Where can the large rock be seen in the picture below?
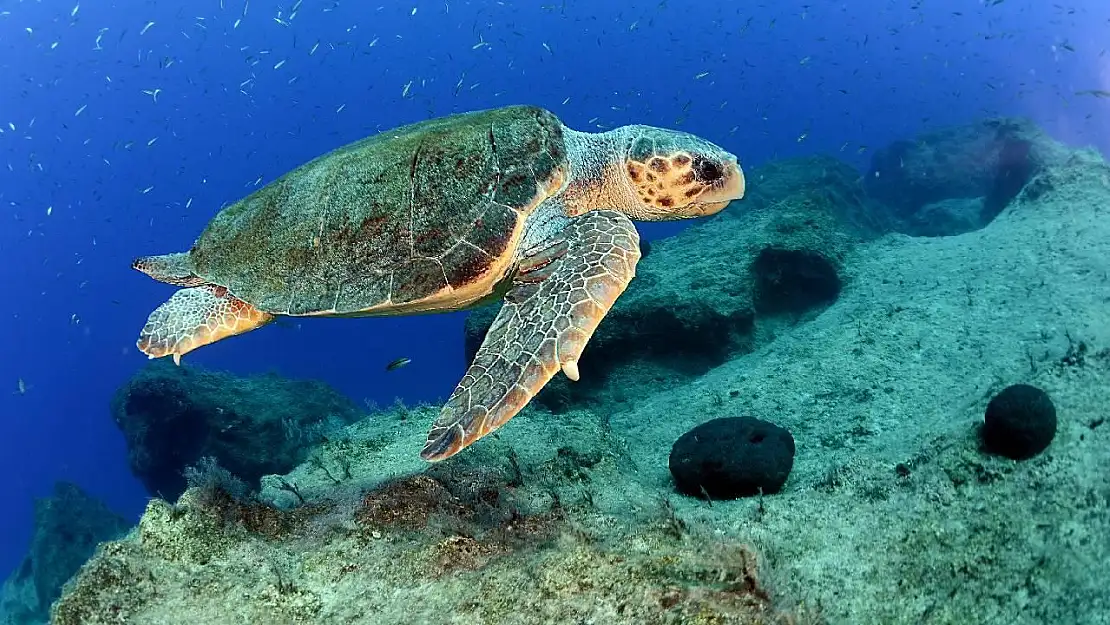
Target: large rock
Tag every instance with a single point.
(487, 537)
(68, 526)
(987, 162)
(173, 416)
(721, 287)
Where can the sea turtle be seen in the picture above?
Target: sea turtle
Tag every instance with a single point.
(443, 215)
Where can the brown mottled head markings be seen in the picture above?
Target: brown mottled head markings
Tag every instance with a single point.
(667, 182)
(650, 174)
(675, 175)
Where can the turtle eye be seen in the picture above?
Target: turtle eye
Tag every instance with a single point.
(707, 170)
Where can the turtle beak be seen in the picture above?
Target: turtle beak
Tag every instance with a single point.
(730, 187)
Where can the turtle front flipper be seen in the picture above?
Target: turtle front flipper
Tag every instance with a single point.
(195, 317)
(560, 293)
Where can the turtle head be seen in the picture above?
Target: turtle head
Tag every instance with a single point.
(676, 175)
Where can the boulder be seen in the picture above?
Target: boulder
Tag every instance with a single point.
(989, 161)
(68, 526)
(174, 416)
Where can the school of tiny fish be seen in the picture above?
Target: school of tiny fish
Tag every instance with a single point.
(472, 67)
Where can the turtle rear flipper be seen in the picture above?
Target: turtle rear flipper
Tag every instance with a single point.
(195, 317)
(558, 297)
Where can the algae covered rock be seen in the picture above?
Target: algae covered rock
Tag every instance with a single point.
(948, 217)
(793, 281)
(805, 186)
(454, 544)
(989, 160)
(68, 526)
(174, 416)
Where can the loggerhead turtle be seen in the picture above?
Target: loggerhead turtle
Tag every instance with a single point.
(443, 215)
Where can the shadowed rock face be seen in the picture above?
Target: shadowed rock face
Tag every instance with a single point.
(793, 281)
(989, 162)
(462, 539)
(173, 416)
(668, 339)
(1015, 166)
(68, 526)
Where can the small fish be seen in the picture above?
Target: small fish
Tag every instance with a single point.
(397, 364)
(21, 387)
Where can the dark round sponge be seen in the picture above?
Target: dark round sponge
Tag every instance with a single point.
(732, 457)
(1020, 422)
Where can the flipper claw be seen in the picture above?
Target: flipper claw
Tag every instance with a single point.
(570, 369)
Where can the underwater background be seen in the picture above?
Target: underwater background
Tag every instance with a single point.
(127, 125)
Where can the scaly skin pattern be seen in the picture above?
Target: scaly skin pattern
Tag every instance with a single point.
(195, 317)
(414, 219)
(559, 296)
(649, 174)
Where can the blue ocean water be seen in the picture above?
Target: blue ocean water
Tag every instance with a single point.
(127, 125)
